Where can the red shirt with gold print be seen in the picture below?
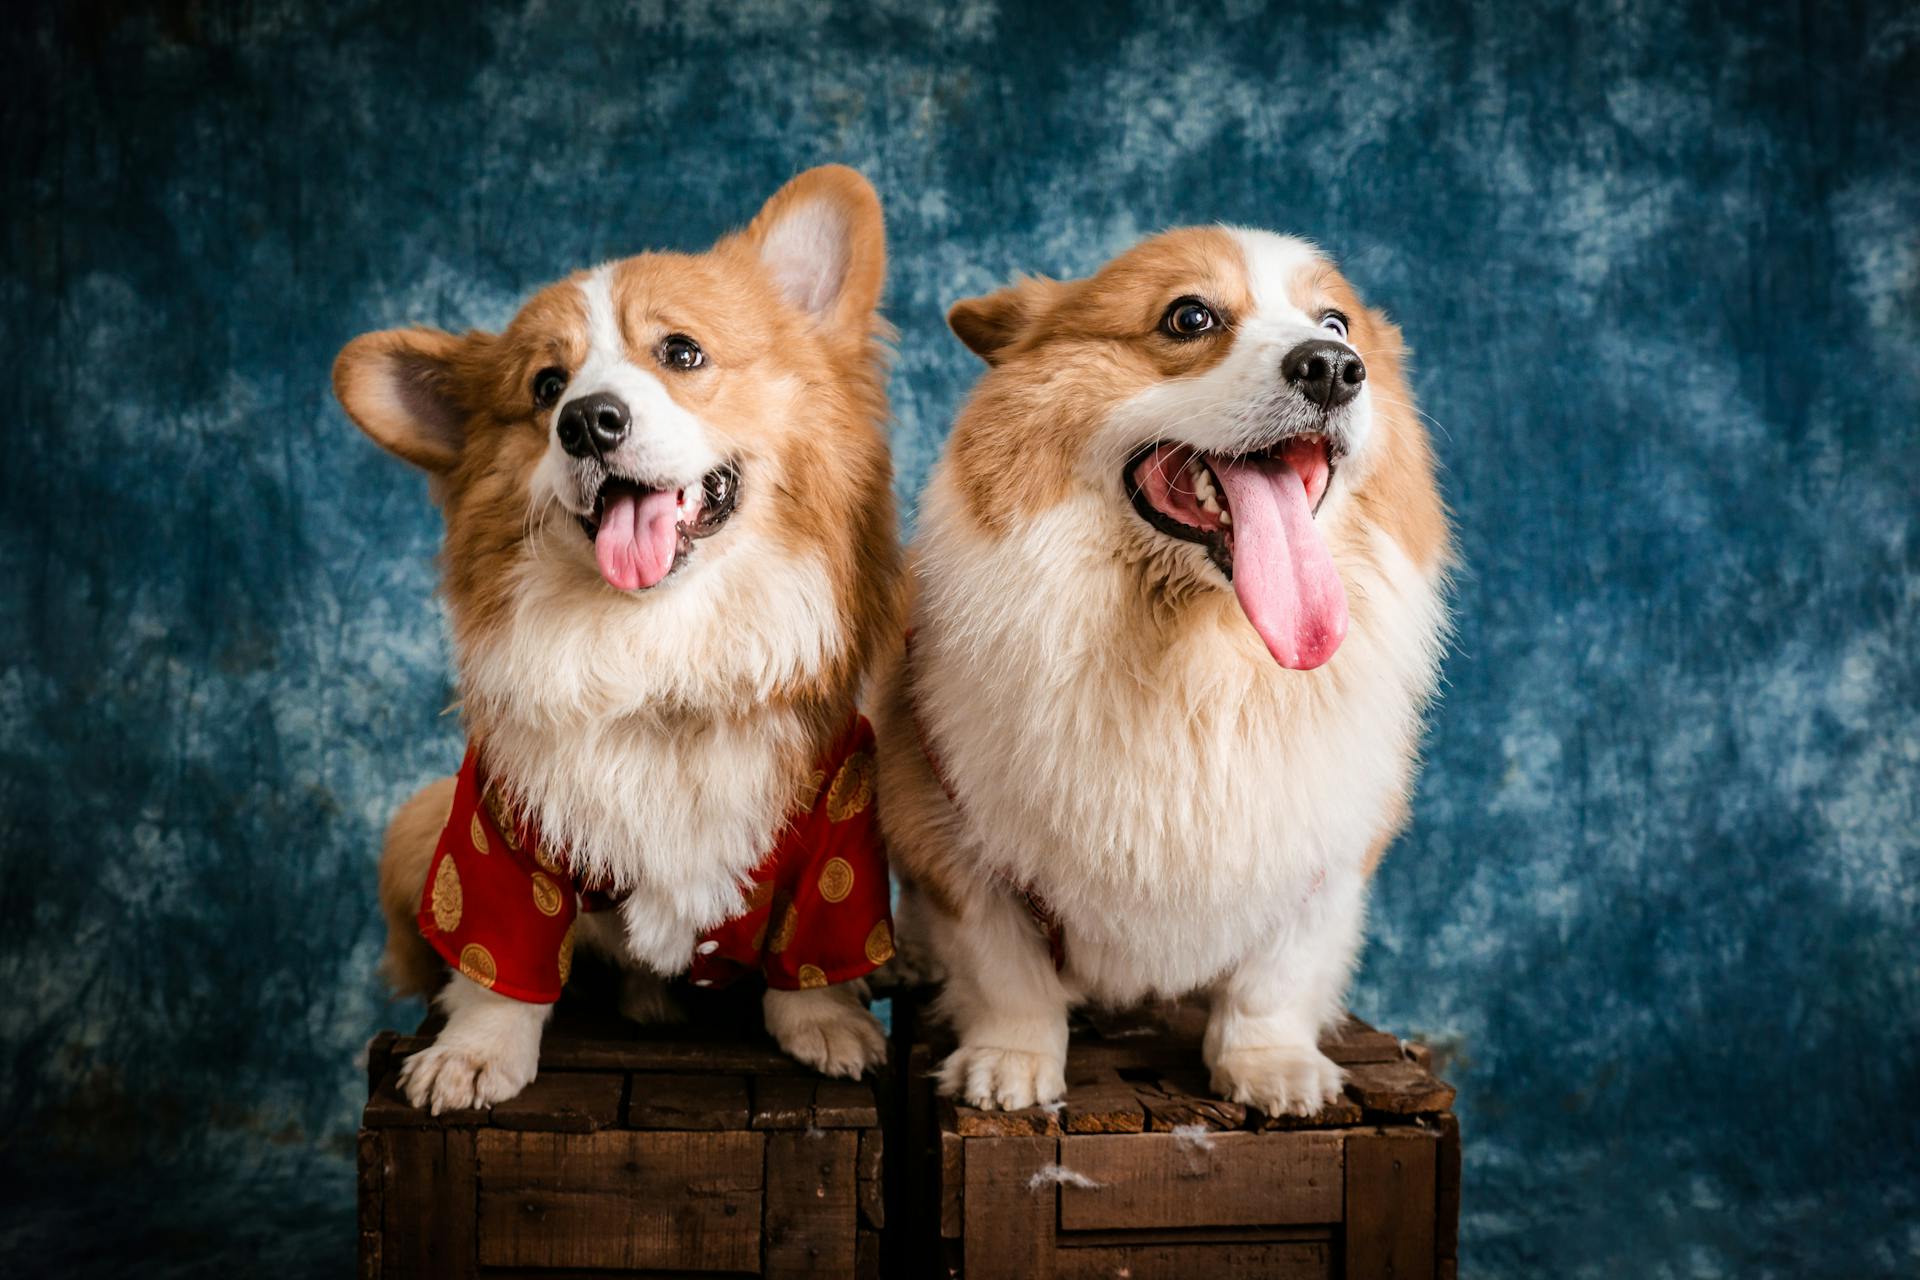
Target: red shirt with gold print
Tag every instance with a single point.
(499, 903)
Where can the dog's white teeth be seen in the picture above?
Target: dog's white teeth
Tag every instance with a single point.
(1226, 518)
(1210, 504)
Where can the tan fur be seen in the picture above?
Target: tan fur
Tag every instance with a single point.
(1062, 353)
(410, 966)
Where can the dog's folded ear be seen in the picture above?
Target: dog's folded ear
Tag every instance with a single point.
(824, 240)
(402, 387)
(991, 324)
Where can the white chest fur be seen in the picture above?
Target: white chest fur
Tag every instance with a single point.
(675, 816)
(646, 739)
(1176, 796)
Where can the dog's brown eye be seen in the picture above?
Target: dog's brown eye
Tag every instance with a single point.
(681, 352)
(1189, 318)
(547, 386)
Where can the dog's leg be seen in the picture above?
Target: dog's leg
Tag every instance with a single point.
(646, 999)
(1007, 1004)
(488, 1051)
(644, 995)
(915, 964)
(1262, 1042)
(827, 1028)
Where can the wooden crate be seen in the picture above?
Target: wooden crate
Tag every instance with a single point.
(632, 1154)
(1143, 1173)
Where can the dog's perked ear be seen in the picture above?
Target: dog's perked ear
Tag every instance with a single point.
(992, 323)
(824, 240)
(402, 387)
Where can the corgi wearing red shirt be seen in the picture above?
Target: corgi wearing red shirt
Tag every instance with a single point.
(670, 559)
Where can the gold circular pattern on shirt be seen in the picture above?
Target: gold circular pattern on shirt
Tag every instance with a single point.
(446, 897)
(811, 976)
(880, 943)
(852, 788)
(478, 831)
(836, 880)
(546, 895)
(783, 935)
(502, 816)
(543, 854)
(476, 962)
(760, 895)
(566, 956)
(810, 790)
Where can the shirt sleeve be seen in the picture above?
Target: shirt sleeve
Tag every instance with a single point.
(837, 922)
(491, 910)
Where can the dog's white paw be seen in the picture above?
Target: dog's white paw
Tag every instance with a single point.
(1285, 1080)
(448, 1077)
(1003, 1079)
(832, 1033)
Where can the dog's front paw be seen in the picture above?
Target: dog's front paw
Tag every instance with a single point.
(447, 1077)
(829, 1031)
(1003, 1079)
(1286, 1080)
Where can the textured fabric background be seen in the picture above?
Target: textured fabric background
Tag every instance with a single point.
(1661, 273)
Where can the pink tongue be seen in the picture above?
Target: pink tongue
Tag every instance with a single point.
(637, 538)
(1282, 570)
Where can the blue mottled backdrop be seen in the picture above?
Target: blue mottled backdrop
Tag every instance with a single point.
(1661, 270)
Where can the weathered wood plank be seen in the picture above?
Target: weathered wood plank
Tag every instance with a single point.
(565, 1102)
(810, 1224)
(783, 1102)
(1398, 1088)
(661, 1100)
(1446, 1176)
(1338, 1114)
(1325, 1233)
(1353, 1041)
(1009, 1221)
(1179, 1100)
(1171, 1039)
(625, 1053)
(620, 1199)
(387, 1108)
(866, 1250)
(372, 1152)
(1206, 1179)
(427, 1218)
(870, 1172)
(1390, 1196)
(844, 1104)
(952, 1181)
(379, 1058)
(1099, 1101)
(1281, 1261)
(873, 1148)
(972, 1122)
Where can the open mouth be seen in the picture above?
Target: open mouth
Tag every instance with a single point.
(642, 534)
(1254, 514)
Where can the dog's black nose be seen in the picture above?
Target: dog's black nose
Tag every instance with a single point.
(1327, 373)
(593, 425)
